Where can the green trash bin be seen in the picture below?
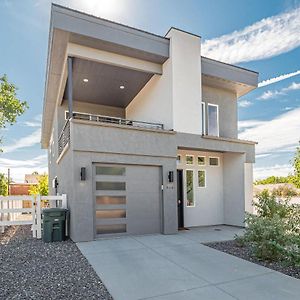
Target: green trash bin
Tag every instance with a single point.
(54, 224)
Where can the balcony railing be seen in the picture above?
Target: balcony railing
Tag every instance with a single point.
(64, 137)
(119, 121)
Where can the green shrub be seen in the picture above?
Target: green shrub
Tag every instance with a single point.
(274, 232)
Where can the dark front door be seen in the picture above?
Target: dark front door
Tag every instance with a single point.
(180, 198)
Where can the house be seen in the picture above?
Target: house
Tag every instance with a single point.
(141, 130)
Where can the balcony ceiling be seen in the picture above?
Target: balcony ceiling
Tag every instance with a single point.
(104, 81)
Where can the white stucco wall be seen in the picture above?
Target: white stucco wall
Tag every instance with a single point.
(208, 209)
(185, 56)
(154, 102)
(174, 98)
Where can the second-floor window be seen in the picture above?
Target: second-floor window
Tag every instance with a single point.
(212, 119)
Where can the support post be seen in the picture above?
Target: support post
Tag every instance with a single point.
(38, 217)
(70, 86)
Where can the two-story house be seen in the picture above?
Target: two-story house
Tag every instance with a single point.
(141, 130)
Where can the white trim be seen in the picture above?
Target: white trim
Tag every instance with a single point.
(218, 127)
(204, 160)
(203, 117)
(185, 189)
(218, 158)
(201, 170)
(191, 155)
(114, 59)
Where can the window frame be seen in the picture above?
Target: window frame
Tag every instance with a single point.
(201, 170)
(218, 122)
(218, 158)
(185, 189)
(203, 108)
(204, 160)
(190, 155)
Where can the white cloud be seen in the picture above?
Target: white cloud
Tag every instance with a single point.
(270, 94)
(32, 124)
(277, 170)
(280, 133)
(273, 94)
(264, 39)
(277, 79)
(242, 125)
(293, 87)
(18, 168)
(24, 142)
(244, 103)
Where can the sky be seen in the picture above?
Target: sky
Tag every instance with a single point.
(260, 35)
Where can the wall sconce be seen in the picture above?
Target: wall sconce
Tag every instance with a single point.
(83, 174)
(171, 176)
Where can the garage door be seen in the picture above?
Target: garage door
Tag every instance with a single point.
(127, 199)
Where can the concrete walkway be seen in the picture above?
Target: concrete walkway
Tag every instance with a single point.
(171, 267)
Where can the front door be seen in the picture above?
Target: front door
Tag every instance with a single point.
(180, 198)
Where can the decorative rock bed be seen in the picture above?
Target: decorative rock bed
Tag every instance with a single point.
(232, 247)
(32, 269)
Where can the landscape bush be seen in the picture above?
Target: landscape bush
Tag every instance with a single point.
(273, 233)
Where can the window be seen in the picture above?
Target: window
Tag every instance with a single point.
(201, 160)
(213, 119)
(201, 178)
(214, 161)
(178, 159)
(203, 118)
(190, 188)
(189, 159)
(116, 171)
(110, 186)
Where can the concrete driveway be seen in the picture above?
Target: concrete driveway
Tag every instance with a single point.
(178, 266)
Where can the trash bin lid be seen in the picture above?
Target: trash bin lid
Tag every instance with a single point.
(54, 210)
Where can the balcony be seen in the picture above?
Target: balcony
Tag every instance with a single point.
(64, 137)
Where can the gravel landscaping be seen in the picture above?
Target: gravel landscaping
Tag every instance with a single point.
(232, 247)
(32, 269)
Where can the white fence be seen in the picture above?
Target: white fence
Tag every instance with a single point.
(13, 212)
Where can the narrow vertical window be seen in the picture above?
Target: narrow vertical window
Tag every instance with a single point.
(190, 188)
(213, 119)
(201, 178)
(203, 118)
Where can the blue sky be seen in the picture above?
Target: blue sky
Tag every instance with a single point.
(260, 35)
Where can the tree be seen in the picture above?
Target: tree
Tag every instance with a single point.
(3, 185)
(296, 165)
(10, 106)
(41, 188)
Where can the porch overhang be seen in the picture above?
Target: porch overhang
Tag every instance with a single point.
(229, 77)
(74, 33)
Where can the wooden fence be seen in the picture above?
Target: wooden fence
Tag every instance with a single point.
(27, 210)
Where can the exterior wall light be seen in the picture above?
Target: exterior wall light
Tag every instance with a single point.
(85, 80)
(171, 176)
(122, 87)
(83, 174)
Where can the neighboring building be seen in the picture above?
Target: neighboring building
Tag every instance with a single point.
(32, 178)
(19, 188)
(151, 143)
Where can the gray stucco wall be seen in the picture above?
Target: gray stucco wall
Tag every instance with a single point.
(194, 141)
(227, 102)
(234, 189)
(99, 143)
